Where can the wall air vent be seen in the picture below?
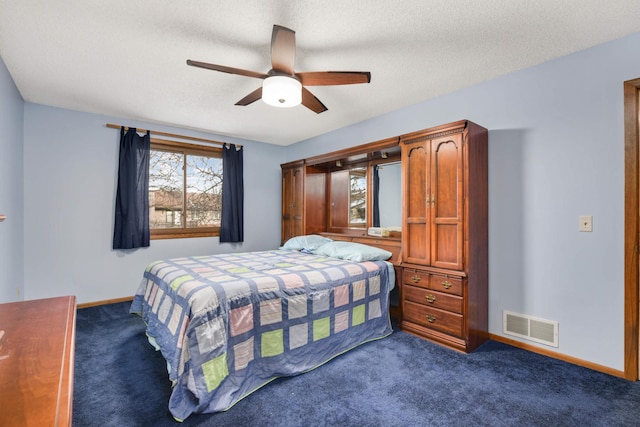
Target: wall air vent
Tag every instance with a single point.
(531, 328)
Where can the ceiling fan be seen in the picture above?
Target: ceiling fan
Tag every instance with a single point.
(282, 86)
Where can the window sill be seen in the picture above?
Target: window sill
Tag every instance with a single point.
(182, 234)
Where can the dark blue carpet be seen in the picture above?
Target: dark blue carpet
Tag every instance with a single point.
(400, 380)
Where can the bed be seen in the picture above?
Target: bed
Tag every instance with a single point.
(228, 324)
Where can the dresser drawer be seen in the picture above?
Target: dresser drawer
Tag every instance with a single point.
(436, 282)
(432, 298)
(415, 278)
(450, 285)
(443, 321)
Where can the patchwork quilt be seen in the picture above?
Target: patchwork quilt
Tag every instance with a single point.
(228, 324)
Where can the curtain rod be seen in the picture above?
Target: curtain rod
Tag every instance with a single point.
(172, 135)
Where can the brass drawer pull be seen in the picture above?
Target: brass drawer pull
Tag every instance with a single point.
(446, 284)
(415, 279)
(430, 318)
(430, 298)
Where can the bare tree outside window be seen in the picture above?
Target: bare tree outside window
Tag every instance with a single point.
(204, 191)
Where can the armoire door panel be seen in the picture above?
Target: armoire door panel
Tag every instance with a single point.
(292, 202)
(298, 201)
(339, 209)
(448, 249)
(415, 240)
(315, 203)
(417, 186)
(447, 209)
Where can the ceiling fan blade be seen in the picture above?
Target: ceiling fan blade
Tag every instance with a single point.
(229, 70)
(310, 101)
(252, 97)
(283, 49)
(330, 78)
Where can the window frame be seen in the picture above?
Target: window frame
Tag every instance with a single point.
(185, 149)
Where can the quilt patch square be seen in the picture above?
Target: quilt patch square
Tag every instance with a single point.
(321, 328)
(341, 322)
(243, 354)
(215, 370)
(314, 277)
(374, 285)
(359, 290)
(292, 281)
(221, 278)
(151, 293)
(283, 264)
(266, 284)
(241, 320)
(375, 310)
(156, 303)
(200, 270)
(370, 266)
(173, 323)
(165, 309)
(270, 311)
(236, 288)
(298, 335)
(335, 273)
(297, 306)
(298, 268)
(341, 295)
(210, 335)
(203, 298)
(321, 301)
(272, 343)
(353, 269)
(358, 315)
(238, 270)
(177, 282)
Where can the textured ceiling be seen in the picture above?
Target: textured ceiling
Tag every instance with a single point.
(127, 58)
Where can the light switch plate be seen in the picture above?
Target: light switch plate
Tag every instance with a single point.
(586, 222)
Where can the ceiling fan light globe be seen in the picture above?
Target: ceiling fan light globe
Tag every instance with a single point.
(282, 91)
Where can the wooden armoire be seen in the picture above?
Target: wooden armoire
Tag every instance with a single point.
(445, 234)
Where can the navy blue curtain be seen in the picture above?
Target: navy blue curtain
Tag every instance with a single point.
(132, 197)
(376, 197)
(232, 221)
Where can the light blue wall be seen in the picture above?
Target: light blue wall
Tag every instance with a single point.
(70, 169)
(556, 151)
(11, 230)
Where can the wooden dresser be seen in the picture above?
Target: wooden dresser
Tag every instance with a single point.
(37, 361)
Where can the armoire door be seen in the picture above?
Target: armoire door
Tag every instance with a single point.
(447, 202)
(416, 201)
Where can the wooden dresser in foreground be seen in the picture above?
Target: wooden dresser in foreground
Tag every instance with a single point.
(36, 362)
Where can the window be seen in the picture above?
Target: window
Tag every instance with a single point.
(185, 190)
